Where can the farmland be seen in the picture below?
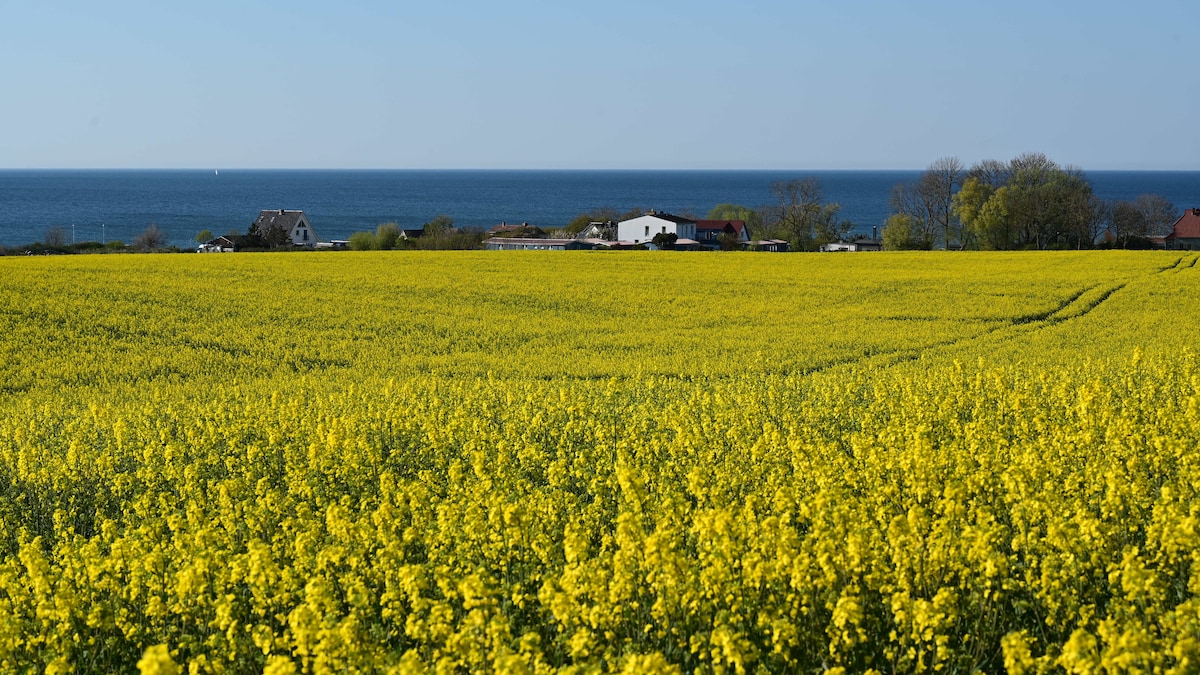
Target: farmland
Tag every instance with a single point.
(597, 462)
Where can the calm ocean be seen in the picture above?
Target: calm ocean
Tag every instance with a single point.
(120, 204)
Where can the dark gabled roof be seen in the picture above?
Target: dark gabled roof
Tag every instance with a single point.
(222, 241)
(668, 216)
(513, 227)
(736, 225)
(281, 218)
(1188, 225)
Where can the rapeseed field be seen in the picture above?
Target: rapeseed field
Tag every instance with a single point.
(600, 462)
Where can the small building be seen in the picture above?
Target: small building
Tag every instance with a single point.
(599, 230)
(868, 244)
(837, 247)
(860, 244)
(767, 245)
(294, 225)
(709, 232)
(220, 244)
(1185, 233)
(535, 244)
(641, 230)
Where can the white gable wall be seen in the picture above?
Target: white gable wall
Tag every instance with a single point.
(642, 229)
(303, 234)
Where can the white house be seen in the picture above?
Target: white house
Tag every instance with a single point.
(641, 230)
(294, 223)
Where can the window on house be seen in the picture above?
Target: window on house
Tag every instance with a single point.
(664, 229)
(305, 233)
(647, 230)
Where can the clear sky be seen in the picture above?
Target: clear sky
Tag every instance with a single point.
(652, 84)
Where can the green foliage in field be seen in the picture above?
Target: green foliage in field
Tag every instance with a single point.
(410, 461)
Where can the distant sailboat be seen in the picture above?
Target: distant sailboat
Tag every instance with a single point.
(216, 172)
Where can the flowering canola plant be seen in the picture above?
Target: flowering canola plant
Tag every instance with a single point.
(593, 462)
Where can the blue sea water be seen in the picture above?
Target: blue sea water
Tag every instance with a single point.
(119, 204)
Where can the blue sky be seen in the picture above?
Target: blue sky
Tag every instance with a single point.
(755, 84)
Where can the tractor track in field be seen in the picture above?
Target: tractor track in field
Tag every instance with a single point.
(1075, 306)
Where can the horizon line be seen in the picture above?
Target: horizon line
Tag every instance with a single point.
(527, 169)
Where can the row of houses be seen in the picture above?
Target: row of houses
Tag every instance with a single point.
(687, 234)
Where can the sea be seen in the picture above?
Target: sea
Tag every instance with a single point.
(108, 205)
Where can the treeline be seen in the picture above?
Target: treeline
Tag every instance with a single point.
(1029, 202)
(150, 240)
(438, 234)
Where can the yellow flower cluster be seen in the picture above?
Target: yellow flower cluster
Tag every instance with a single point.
(597, 463)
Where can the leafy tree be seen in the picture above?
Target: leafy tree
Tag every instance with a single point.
(440, 225)
(203, 236)
(1039, 205)
(968, 204)
(267, 236)
(751, 217)
(665, 240)
(903, 232)
(729, 241)
(386, 236)
(363, 241)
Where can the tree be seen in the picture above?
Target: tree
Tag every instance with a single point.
(978, 213)
(56, 237)
(1039, 205)
(363, 241)
(800, 216)
(729, 241)
(751, 217)
(151, 239)
(902, 232)
(665, 240)
(930, 200)
(386, 236)
(203, 236)
(1158, 213)
(440, 225)
(267, 236)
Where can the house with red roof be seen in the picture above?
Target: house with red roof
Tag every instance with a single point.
(1185, 233)
(709, 232)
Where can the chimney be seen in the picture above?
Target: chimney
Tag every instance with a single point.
(1196, 212)
(281, 212)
